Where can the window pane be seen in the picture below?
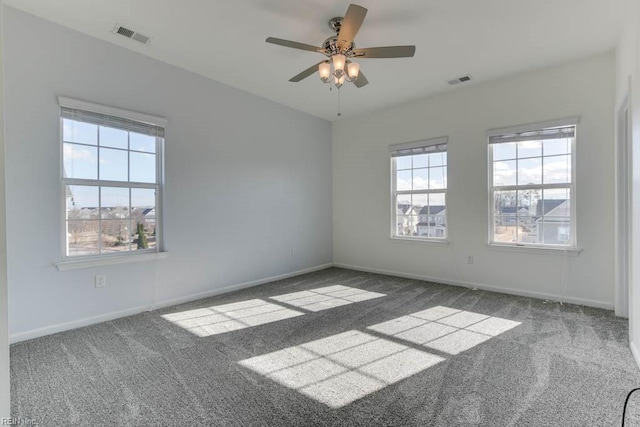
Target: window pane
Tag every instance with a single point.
(141, 142)
(403, 180)
(421, 179)
(113, 164)
(406, 225)
(403, 227)
(438, 159)
(437, 200)
(421, 161)
(404, 200)
(82, 202)
(82, 238)
(526, 200)
(403, 162)
(437, 178)
(418, 201)
(114, 202)
(143, 214)
(557, 146)
(554, 223)
(530, 171)
(116, 138)
(82, 220)
(505, 216)
(557, 169)
(505, 151)
(504, 173)
(529, 149)
(525, 231)
(143, 198)
(80, 161)
(82, 133)
(115, 235)
(142, 168)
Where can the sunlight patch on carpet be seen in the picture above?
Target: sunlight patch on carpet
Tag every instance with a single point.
(342, 368)
(327, 297)
(220, 319)
(445, 329)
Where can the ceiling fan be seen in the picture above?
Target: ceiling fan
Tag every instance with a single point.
(341, 50)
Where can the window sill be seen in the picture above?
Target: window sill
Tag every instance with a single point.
(535, 249)
(420, 241)
(77, 264)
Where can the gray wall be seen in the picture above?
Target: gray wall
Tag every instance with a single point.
(361, 176)
(4, 327)
(248, 181)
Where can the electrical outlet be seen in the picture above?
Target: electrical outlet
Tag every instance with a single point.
(101, 281)
(470, 259)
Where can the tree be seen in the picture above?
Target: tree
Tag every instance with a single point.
(142, 237)
(516, 199)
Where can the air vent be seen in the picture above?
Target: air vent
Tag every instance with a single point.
(130, 34)
(459, 80)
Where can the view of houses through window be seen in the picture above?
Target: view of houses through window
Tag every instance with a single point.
(419, 191)
(532, 183)
(111, 183)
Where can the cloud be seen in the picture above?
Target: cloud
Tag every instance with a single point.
(77, 153)
(555, 171)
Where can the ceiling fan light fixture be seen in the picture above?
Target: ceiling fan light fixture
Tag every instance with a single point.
(339, 61)
(324, 70)
(353, 69)
(340, 50)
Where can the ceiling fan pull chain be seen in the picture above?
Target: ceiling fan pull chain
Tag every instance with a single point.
(339, 104)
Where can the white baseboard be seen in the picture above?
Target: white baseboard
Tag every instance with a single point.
(219, 291)
(635, 352)
(484, 287)
(61, 327)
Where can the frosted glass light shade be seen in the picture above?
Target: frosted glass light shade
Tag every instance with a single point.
(338, 61)
(354, 70)
(325, 71)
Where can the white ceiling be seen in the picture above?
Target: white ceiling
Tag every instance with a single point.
(224, 40)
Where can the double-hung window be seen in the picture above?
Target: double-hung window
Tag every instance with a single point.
(419, 189)
(532, 185)
(111, 180)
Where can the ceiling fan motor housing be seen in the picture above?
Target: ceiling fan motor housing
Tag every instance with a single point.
(330, 45)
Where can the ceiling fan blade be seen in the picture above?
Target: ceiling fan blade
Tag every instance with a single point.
(306, 73)
(385, 52)
(350, 25)
(361, 80)
(295, 45)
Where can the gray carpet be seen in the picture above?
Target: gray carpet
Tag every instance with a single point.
(424, 354)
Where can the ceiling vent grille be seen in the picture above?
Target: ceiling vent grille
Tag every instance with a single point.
(459, 80)
(130, 34)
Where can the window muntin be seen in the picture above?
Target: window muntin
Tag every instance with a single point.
(419, 176)
(532, 187)
(111, 179)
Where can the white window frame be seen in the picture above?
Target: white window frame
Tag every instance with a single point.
(84, 261)
(572, 247)
(417, 147)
